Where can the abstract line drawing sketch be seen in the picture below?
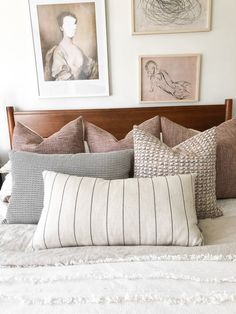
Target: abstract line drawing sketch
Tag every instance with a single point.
(70, 47)
(163, 12)
(171, 16)
(169, 78)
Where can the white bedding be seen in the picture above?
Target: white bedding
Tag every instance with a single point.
(3, 210)
(121, 279)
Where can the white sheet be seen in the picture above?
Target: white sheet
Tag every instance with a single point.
(150, 287)
(3, 210)
(228, 206)
(120, 279)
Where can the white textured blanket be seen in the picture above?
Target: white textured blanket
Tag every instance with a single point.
(137, 287)
(120, 279)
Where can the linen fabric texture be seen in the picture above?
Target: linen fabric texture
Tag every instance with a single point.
(68, 140)
(6, 168)
(26, 201)
(226, 159)
(100, 140)
(81, 211)
(173, 134)
(195, 155)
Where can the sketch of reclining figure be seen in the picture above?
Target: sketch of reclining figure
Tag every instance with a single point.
(161, 79)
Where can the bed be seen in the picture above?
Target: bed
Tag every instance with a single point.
(121, 279)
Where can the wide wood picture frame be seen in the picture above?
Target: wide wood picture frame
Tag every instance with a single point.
(169, 78)
(161, 17)
(70, 47)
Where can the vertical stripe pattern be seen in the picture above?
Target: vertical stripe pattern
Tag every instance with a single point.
(123, 209)
(48, 207)
(171, 213)
(155, 209)
(59, 216)
(90, 211)
(108, 190)
(139, 212)
(184, 205)
(75, 211)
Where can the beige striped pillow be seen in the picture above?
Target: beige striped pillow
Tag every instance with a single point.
(90, 211)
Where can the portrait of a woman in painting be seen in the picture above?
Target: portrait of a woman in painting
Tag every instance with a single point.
(72, 53)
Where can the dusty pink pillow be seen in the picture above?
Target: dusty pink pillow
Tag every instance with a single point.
(100, 140)
(68, 140)
(173, 134)
(226, 159)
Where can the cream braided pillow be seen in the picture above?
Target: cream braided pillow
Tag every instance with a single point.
(195, 155)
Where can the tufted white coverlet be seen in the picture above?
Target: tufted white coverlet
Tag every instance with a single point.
(120, 279)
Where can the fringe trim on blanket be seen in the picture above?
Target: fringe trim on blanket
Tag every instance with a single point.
(143, 258)
(212, 298)
(108, 276)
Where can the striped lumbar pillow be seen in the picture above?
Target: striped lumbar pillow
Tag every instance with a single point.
(91, 211)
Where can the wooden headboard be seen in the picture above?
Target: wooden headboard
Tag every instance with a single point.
(120, 121)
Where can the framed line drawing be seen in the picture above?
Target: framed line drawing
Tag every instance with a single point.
(173, 16)
(169, 78)
(70, 47)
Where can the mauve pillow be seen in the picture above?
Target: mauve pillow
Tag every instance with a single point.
(226, 159)
(100, 141)
(68, 140)
(173, 134)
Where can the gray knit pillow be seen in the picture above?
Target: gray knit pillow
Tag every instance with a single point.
(27, 192)
(195, 155)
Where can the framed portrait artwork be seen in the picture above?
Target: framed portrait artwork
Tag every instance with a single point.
(175, 16)
(70, 47)
(169, 78)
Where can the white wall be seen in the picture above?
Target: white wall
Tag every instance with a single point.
(18, 85)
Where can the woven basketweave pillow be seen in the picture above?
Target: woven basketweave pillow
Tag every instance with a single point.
(195, 155)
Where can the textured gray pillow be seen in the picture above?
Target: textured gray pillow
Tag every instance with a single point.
(27, 193)
(195, 155)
